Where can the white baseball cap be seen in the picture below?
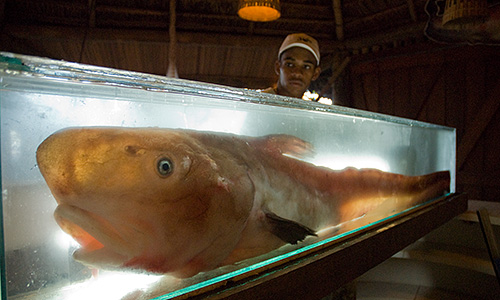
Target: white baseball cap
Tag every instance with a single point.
(301, 40)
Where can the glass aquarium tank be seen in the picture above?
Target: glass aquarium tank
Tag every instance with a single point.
(256, 148)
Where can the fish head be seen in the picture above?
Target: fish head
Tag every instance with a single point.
(149, 199)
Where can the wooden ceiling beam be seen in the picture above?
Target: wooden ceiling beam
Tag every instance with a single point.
(127, 11)
(200, 38)
(134, 13)
(339, 22)
(411, 10)
(311, 10)
(413, 30)
(206, 22)
(304, 12)
(57, 33)
(282, 20)
(382, 15)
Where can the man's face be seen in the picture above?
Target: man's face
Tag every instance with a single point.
(296, 69)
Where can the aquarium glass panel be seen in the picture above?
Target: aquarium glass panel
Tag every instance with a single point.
(40, 96)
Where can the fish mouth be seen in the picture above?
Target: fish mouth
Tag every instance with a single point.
(101, 245)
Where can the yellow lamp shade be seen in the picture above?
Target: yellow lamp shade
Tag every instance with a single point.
(259, 11)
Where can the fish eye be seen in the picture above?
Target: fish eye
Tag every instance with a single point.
(165, 166)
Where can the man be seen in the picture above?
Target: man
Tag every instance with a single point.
(297, 65)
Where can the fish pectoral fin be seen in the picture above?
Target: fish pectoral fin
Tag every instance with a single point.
(287, 230)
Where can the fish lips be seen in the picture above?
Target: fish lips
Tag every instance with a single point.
(101, 245)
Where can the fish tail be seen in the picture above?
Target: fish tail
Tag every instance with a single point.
(438, 181)
(394, 192)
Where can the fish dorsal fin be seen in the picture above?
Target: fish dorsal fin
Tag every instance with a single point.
(283, 144)
(287, 230)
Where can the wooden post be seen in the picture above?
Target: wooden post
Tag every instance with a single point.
(92, 13)
(335, 75)
(172, 43)
(411, 10)
(339, 23)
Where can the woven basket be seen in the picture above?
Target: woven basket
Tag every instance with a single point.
(464, 12)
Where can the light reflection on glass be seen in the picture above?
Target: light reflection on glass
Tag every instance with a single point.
(340, 162)
(65, 241)
(219, 120)
(15, 144)
(109, 285)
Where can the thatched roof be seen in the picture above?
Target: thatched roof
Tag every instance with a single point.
(212, 43)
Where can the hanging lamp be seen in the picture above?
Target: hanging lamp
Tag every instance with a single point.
(460, 13)
(259, 10)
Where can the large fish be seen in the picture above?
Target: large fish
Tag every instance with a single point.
(182, 202)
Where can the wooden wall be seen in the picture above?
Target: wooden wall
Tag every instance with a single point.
(456, 86)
